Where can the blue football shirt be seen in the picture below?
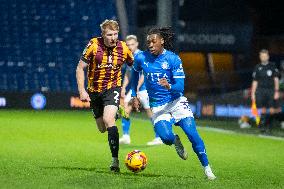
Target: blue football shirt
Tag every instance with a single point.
(166, 65)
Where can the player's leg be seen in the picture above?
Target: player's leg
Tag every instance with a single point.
(163, 126)
(157, 140)
(274, 109)
(189, 127)
(111, 104)
(184, 118)
(97, 108)
(113, 135)
(100, 124)
(144, 99)
(125, 120)
(261, 102)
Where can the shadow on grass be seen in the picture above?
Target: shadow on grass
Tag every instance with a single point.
(137, 147)
(107, 171)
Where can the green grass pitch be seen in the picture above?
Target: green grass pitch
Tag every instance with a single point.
(57, 149)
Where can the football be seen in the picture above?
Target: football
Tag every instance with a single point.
(136, 161)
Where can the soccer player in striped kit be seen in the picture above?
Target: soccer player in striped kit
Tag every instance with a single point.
(104, 57)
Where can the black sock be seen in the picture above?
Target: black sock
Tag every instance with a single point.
(113, 140)
(262, 123)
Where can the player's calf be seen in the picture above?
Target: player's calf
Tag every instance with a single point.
(101, 125)
(182, 153)
(164, 130)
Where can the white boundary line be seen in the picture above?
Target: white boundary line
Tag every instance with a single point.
(218, 130)
(238, 133)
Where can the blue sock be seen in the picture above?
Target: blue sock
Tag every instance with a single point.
(164, 130)
(189, 127)
(125, 126)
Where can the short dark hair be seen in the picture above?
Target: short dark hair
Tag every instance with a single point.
(265, 51)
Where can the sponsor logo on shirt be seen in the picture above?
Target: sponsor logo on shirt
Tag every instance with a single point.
(269, 73)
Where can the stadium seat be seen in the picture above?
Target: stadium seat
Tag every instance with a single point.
(40, 39)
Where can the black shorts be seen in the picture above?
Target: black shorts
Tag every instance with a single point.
(265, 98)
(101, 99)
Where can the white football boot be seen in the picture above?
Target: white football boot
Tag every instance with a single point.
(209, 174)
(156, 141)
(125, 139)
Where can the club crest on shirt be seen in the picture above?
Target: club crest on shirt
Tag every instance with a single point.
(269, 73)
(165, 65)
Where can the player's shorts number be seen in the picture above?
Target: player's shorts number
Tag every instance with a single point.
(116, 97)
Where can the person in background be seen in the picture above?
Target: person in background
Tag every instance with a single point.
(265, 89)
(132, 43)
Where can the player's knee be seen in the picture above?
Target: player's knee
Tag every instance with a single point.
(164, 130)
(168, 139)
(109, 120)
(187, 122)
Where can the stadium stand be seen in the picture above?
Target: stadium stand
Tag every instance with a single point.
(41, 41)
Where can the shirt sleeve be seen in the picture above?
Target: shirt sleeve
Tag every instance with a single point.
(177, 68)
(138, 61)
(276, 72)
(129, 57)
(134, 82)
(255, 75)
(88, 52)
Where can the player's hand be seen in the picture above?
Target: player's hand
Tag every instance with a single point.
(164, 82)
(136, 104)
(276, 95)
(122, 93)
(84, 96)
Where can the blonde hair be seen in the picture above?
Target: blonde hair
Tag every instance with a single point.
(130, 37)
(110, 24)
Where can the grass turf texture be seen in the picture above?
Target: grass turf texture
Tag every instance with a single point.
(56, 149)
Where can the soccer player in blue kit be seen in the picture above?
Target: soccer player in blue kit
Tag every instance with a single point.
(164, 77)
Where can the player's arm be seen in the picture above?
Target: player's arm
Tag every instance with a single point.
(141, 81)
(134, 84)
(126, 79)
(176, 87)
(253, 89)
(80, 75)
(254, 84)
(276, 88)
(276, 83)
(134, 80)
(177, 83)
(129, 56)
